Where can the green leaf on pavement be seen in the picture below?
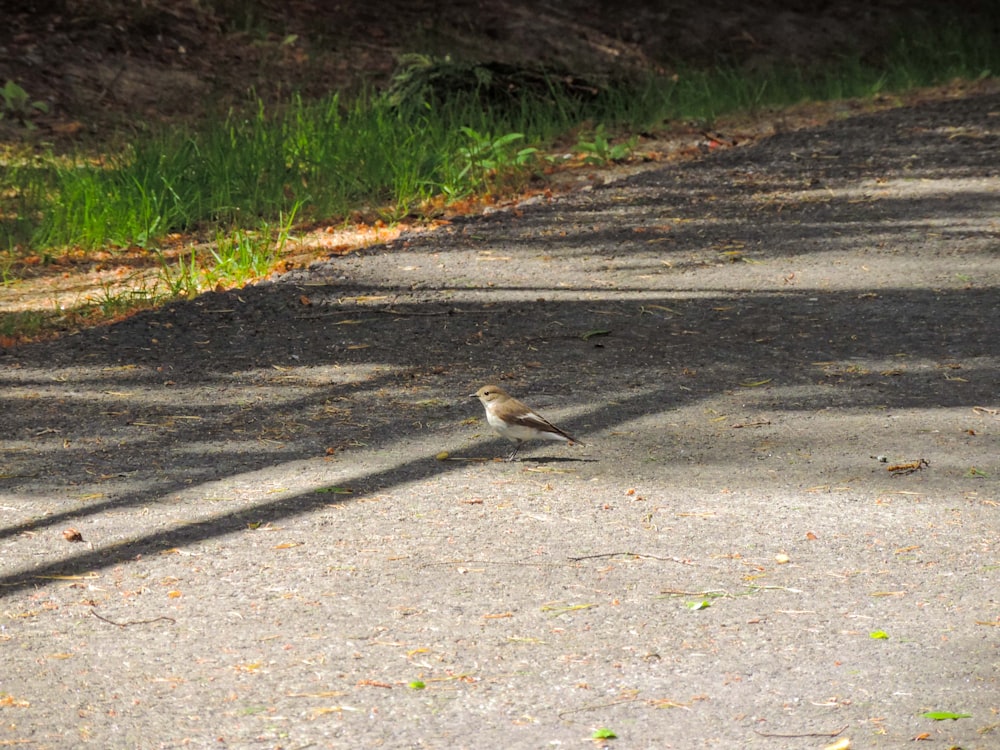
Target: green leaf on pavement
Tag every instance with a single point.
(942, 715)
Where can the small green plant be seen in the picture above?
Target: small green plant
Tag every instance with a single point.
(109, 301)
(115, 300)
(484, 161)
(235, 259)
(181, 279)
(23, 324)
(7, 276)
(601, 151)
(16, 104)
(239, 257)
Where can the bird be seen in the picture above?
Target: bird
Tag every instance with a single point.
(516, 421)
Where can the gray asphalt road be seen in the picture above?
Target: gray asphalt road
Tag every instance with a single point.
(293, 532)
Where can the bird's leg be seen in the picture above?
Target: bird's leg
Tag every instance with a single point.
(513, 453)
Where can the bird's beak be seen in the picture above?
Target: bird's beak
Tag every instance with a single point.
(473, 395)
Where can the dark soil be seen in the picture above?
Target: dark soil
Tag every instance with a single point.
(271, 517)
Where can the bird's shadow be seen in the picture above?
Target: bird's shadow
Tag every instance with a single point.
(553, 460)
(525, 459)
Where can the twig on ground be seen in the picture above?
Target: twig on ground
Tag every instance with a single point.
(678, 560)
(389, 311)
(804, 734)
(491, 562)
(726, 594)
(596, 706)
(711, 592)
(132, 622)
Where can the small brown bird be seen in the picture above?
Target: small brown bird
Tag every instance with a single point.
(515, 421)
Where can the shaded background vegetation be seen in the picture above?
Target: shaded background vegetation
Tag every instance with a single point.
(108, 66)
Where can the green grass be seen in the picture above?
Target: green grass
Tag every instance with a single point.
(14, 325)
(323, 160)
(235, 258)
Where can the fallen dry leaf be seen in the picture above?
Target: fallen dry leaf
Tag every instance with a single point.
(907, 468)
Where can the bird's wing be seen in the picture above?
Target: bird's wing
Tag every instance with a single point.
(538, 422)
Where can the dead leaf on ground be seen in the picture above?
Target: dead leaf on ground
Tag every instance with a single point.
(907, 468)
